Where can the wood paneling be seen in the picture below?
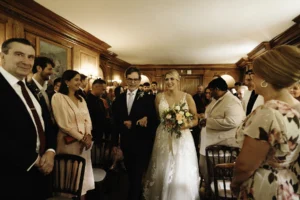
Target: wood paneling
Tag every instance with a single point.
(28, 19)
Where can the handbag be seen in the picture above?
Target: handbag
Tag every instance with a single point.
(69, 139)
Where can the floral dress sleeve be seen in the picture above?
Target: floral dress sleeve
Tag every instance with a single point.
(276, 123)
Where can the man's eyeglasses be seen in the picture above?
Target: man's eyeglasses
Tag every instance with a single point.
(133, 79)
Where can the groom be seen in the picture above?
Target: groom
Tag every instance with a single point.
(135, 121)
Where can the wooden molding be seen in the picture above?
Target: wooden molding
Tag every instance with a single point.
(297, 19)
(291, 36)
(186, 66)
(261, 48)
(243, 62)
(26, 11)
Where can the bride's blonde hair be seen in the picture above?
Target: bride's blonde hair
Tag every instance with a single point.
(173, 72)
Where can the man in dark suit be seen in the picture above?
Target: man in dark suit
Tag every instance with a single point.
(82, 89)
(198, 98)
(42, 70)
(97, 110)
(135, 120)
(154, 88)
(25, 147)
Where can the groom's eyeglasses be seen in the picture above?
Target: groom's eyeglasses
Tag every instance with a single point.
(132, 79)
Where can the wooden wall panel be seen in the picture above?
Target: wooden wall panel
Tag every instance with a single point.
(200, 74)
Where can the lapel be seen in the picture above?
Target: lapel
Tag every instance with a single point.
(38, 95)
(135, 102)
(12, 98)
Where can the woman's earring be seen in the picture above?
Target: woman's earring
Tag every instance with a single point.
(264, 84)
(67, 86)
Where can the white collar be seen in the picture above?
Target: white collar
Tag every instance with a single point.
(133, 92)
(12, 80)
(44, 87)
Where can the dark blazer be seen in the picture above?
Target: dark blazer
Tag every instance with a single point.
(137, 140)
(18, 147)
(82, 93)
(51, 128)
(98, 116)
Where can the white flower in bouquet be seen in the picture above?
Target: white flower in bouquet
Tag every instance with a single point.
(174, 118)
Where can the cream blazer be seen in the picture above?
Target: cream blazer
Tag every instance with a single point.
(223, 116)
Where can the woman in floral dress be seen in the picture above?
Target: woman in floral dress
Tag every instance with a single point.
(268, 164)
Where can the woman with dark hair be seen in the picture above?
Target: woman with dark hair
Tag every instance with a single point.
(72, 116)
(268, 164)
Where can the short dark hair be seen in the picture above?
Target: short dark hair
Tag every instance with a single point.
(99, 81)
(57, 80)
(6, 44)
(42, 61)
(154, 82)
(146, 84)
(82, 77)
(238, 84)
(131, 70)
(218, 83)
(249, 71)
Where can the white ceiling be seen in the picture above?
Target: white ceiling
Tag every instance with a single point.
(177, 31)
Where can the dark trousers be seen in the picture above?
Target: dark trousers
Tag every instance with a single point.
(136, 166)
(25, 185)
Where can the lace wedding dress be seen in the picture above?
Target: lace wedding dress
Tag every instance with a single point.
(173, 170)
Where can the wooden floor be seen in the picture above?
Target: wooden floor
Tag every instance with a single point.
(113, 187)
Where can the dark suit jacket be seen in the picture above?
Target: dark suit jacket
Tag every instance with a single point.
(98, 116)
(200, 104)
(18, 146)
(82, 93)
(51, 128)
(137, 140)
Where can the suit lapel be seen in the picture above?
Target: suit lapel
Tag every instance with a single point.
(13, 98)
(134, 104)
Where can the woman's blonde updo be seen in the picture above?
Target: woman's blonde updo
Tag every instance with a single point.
(279, 66)
(174, 73)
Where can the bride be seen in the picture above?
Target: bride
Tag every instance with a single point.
(173, 170)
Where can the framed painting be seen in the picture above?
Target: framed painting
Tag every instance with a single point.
(57, 52)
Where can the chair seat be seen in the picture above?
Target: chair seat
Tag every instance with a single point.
(221, 188)
(99, 174)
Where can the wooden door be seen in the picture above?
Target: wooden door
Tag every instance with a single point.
(189, 83)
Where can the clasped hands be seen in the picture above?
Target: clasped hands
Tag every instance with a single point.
(86, 142)
(202, 119)
(141, 122)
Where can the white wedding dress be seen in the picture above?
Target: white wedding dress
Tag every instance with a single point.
(173, 170)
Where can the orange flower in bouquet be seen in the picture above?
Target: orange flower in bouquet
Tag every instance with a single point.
(174, 118)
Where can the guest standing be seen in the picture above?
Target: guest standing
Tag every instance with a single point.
(27, 150)
(135, 121)
(268, 164)
(74, 122)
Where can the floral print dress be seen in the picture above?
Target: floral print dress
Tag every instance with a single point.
(278, 176)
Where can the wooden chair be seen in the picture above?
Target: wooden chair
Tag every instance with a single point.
(101, 160)
(223, 174)
(68, 176)
(220, 161)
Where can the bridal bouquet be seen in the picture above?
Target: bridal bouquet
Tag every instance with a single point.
(174, 118)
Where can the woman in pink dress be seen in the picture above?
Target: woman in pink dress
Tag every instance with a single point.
(72, 116)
